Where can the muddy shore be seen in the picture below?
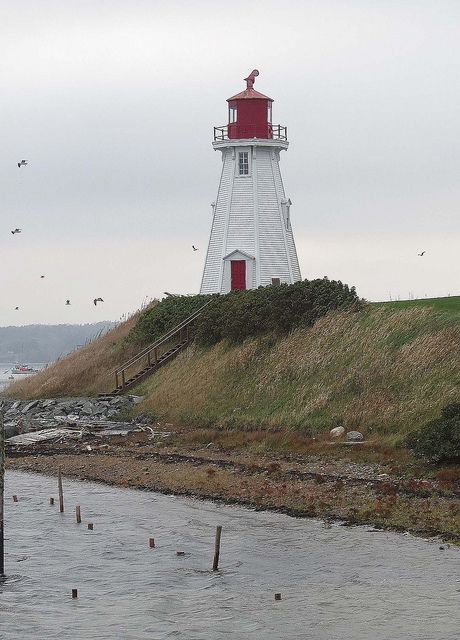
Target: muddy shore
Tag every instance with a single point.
(302, 486)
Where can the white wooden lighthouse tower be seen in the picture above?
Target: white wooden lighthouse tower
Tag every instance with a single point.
(251, 242)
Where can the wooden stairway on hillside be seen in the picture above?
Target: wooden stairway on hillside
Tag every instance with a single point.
(151, 358)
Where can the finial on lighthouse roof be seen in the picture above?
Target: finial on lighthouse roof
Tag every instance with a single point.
(251, 79)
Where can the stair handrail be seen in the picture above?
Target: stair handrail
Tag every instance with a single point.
(161, 340)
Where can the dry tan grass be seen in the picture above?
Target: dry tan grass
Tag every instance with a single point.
(382, 371)
(86, 371)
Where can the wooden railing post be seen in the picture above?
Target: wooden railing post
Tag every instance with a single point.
(116, 378)
(156, 355)
(123, 383)
(148, 359)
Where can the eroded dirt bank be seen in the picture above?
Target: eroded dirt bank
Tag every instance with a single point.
(353, 492)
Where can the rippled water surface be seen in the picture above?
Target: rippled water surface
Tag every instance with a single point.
(339, 583)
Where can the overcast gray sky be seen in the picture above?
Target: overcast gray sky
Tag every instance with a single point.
(113, 104)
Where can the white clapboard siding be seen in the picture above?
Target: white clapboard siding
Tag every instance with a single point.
(249, 218)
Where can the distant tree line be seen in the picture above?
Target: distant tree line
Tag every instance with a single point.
(44, 342)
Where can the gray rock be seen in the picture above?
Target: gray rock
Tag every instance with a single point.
(11, 429)
(48, 403)
(355, 436)
(337, 432)
(87, 409)
(29, 406)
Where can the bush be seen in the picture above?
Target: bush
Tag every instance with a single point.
(439, 440)
(275, 309)
(163, 316)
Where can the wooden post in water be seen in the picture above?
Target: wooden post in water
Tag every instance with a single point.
(90, 526)
(2, 490)
(215, 564)
(74, 593)
(61, 493)
(78, 514)
(51, 501)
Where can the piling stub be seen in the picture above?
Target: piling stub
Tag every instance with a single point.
(15, 498)
(78, 514)
(180, 553)
(152, 543)
(277, 596)
(61, 492)
(90, 526)
(74, 593)
(215, 564)
(51, 501)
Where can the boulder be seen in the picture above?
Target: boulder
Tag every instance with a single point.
(87, 409)
(29, 406)
(355, 436)
(337, 432)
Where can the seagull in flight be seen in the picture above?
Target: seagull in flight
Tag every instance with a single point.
(23, 163)
(194, 248)
(96, 300)
(16, 308)
(13, 231)
(67, 302)
(421, 254)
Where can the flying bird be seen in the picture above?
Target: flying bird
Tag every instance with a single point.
(13, 231)
(421, 254)
(23, 163)
(16, 308)
(96, 300)
(42, 276)
(194, 248)
(67, 302)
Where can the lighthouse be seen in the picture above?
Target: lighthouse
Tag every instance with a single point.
(251, 242)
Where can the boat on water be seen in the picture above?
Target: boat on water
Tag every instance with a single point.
(23, 368)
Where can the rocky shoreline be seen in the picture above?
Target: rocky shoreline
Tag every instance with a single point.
(23, 416)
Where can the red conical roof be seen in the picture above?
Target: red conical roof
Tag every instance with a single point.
(249, 94)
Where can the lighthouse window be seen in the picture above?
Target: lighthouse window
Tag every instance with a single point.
(269, 112)
(243, 163)
(232, 115)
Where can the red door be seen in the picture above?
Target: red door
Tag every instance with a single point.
(238, 275)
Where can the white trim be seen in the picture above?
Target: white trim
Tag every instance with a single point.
(242, 253)
(283, 226)
(227, 222)
(255, 196)
(259, 142)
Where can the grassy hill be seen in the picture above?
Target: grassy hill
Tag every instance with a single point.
(383, 370)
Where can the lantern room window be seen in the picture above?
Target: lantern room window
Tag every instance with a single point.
(243, 163)
(269, 112)
(232, 113)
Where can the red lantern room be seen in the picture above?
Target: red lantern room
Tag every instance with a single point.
(250, 113)
(250, 116)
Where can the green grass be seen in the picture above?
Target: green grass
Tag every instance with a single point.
(450, 304)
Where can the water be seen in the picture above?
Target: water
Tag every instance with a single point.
(5, 372)
(339, 583)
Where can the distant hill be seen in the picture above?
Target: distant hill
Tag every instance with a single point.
(45, 342)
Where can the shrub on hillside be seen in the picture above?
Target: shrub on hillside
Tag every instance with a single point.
(163, 316)
(273, 309)
(244, 314)
(439, 440)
